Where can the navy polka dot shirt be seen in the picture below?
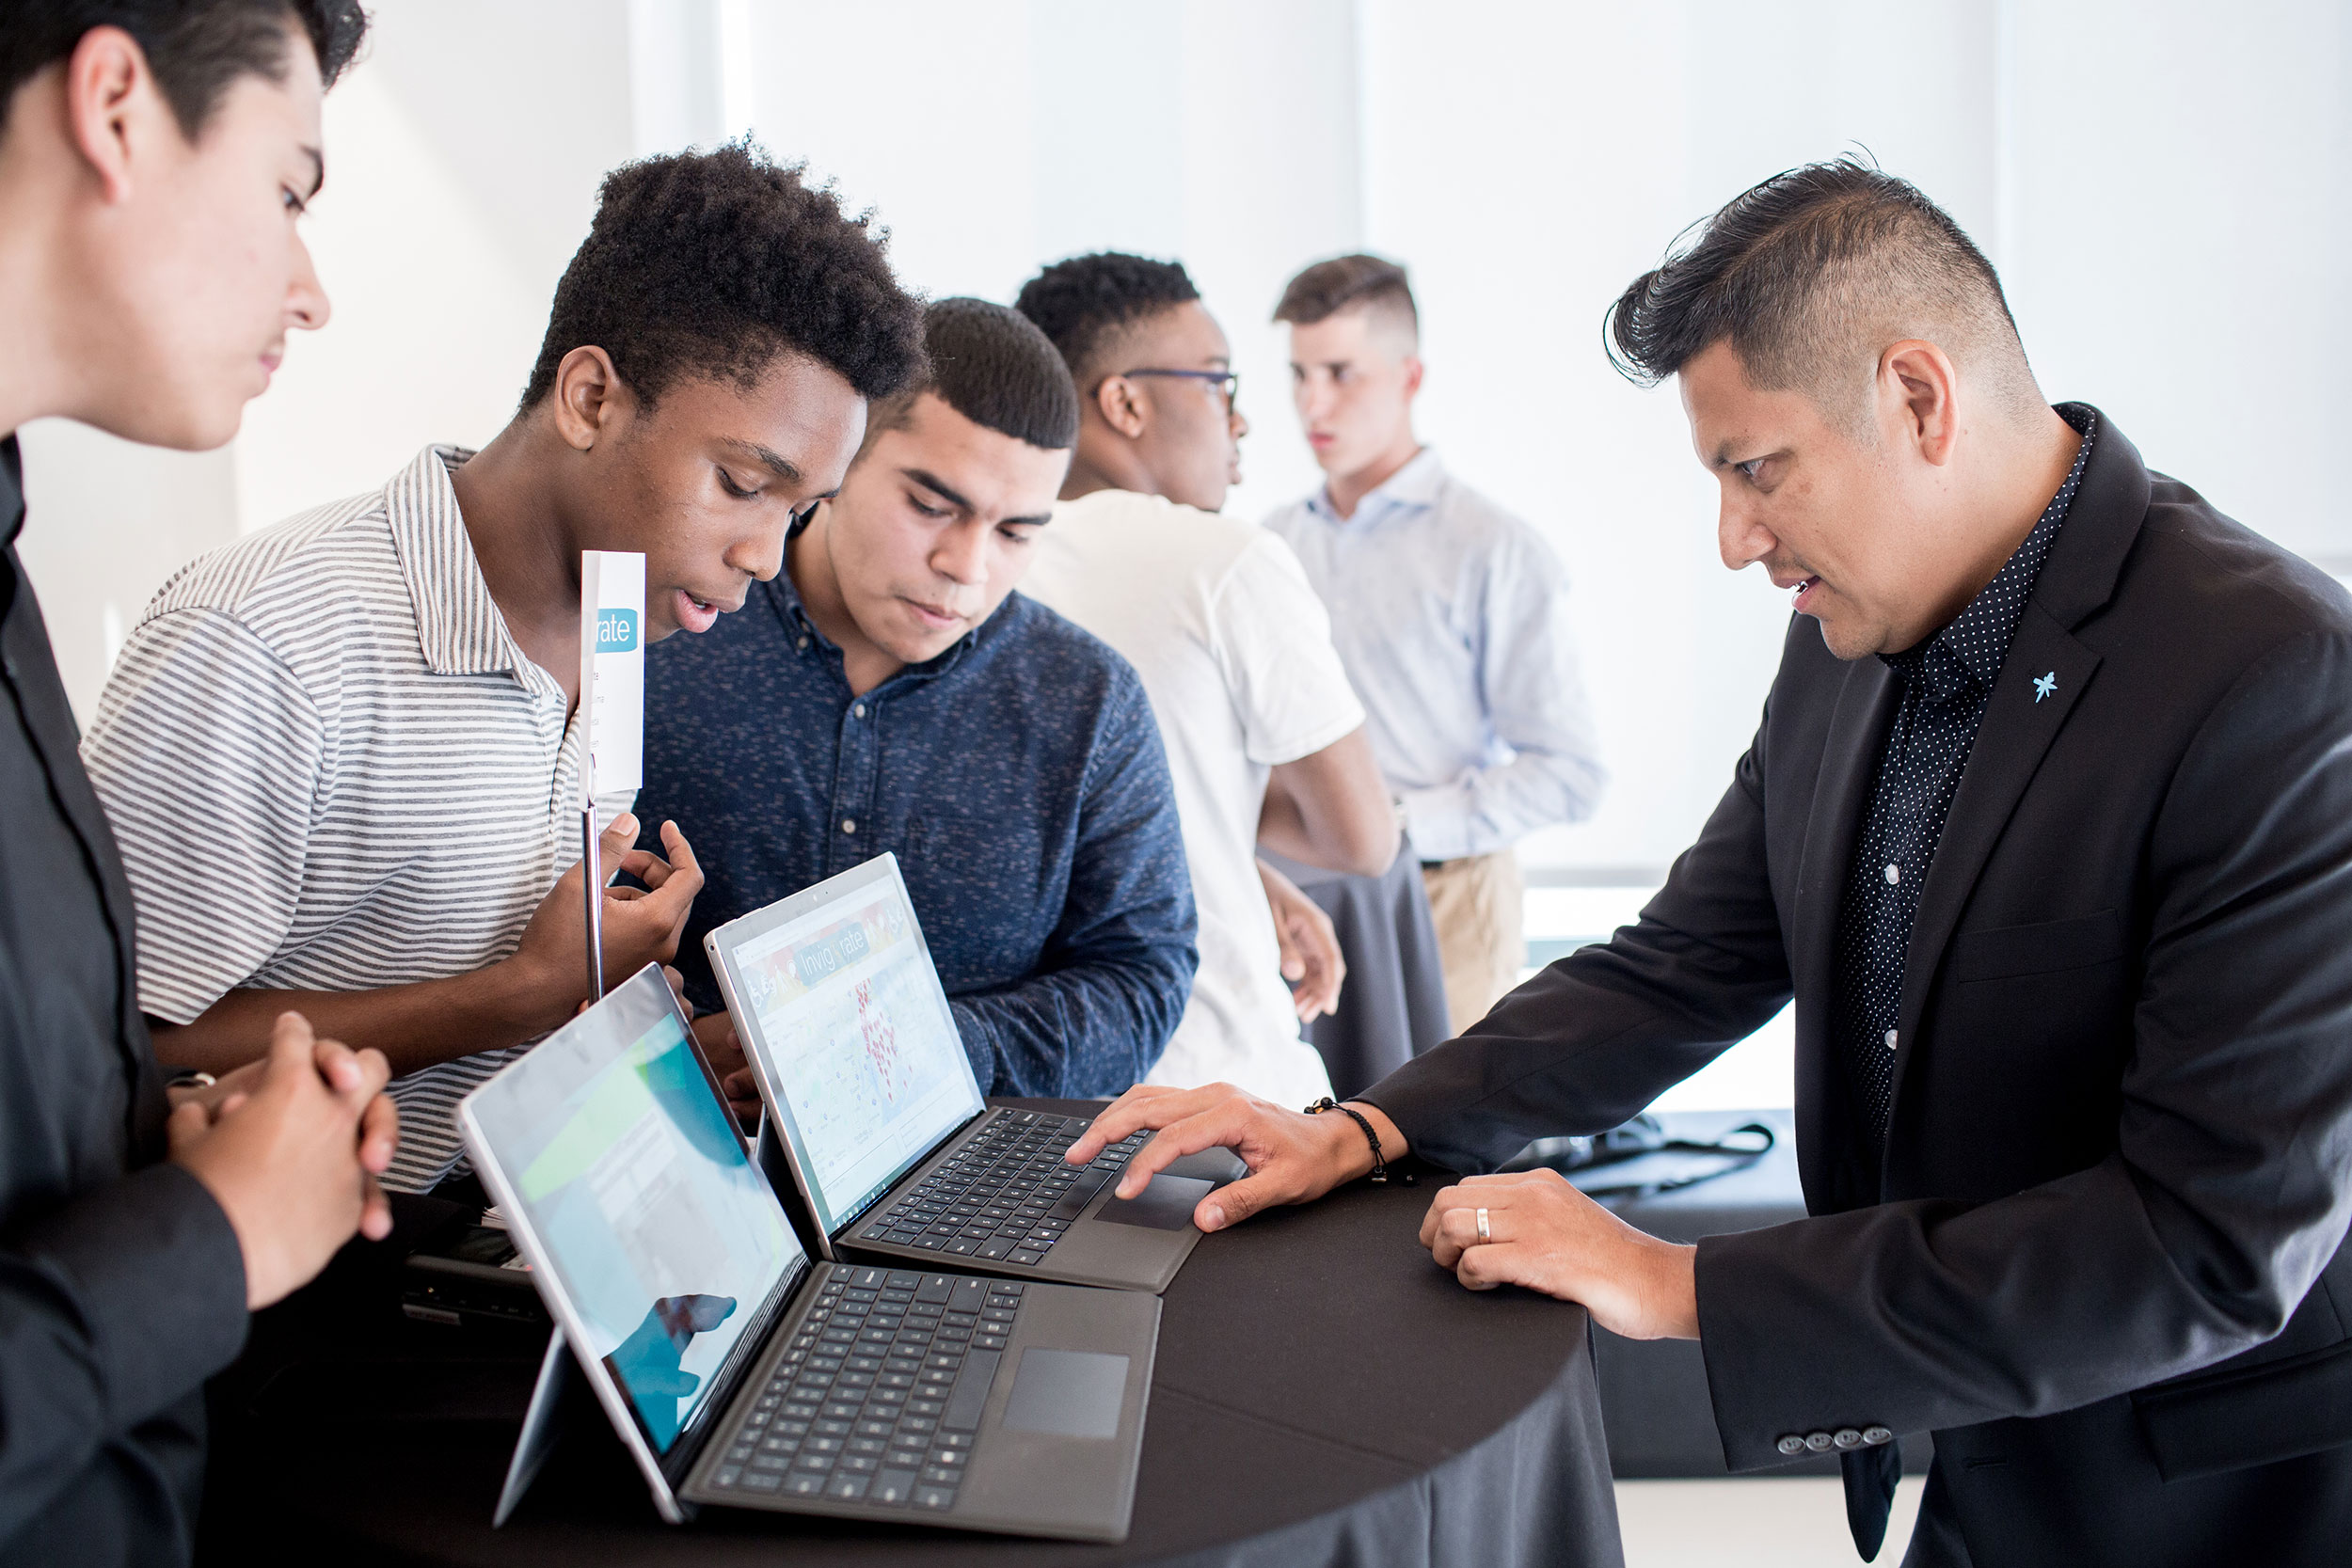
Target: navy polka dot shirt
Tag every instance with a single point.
(1947, 681)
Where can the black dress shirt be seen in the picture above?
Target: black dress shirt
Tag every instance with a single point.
(1947, 680)
(121, 1286)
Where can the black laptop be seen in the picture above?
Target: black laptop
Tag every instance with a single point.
(848, 1034)
(738, 1372)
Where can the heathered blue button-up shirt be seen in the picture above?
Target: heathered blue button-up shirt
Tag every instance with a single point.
(1017, 777)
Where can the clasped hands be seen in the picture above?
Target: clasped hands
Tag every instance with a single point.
(290, 1147)
(1542, 1233)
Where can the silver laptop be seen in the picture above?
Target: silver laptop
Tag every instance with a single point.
(738, 1372)
(883, 1124)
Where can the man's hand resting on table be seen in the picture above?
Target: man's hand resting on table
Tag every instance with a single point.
(1293, 1157)
(290, 1148)
(1544, 1234)
(1549, 1237)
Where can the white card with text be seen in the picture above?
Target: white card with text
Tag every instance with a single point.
(612, 665)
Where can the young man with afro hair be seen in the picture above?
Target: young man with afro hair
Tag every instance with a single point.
(343, 754)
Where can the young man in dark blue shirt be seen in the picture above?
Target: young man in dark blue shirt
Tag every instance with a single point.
(889, 691)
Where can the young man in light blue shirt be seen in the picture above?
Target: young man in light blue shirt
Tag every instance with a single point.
(1450, 615)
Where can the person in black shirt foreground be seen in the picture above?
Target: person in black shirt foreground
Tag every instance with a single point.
(2048, 830)
(154, 159)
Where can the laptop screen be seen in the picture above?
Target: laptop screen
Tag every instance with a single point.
(866, 1068)
(660, 1233)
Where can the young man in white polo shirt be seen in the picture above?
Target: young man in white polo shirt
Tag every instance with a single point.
(343, 754)
(1264, 738)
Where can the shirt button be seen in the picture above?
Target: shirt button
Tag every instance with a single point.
(848, 824)
(802, 644)
(859, 710)
(1893, 873)
(1890, 1039)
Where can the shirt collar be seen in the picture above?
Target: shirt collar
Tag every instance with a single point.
(1416, 485)
(11, 491)
(1969, 650)
(784, 594)
(458, 623)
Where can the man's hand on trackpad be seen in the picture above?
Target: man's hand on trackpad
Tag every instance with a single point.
(1291, 1157)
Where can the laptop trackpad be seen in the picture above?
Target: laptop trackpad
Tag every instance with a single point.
(1166, 1204)
(1216, 1166)
(1066, 1393)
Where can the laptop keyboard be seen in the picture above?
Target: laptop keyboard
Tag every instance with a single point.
(1007, 1195)
(879, 1395)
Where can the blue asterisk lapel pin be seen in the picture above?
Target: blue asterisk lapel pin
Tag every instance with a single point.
(2045, 685)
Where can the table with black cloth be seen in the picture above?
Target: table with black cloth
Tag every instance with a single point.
(1392, 1007)
(1323, 1394)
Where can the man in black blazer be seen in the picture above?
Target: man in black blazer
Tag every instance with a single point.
(2048, 830)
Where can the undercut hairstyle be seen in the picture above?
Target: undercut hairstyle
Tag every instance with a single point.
(992, 365)
(1810, 276)
(195, 48)
(1370, 283)
(706, 265)
(1088, 303)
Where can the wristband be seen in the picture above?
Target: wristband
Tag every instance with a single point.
(1379, 1176)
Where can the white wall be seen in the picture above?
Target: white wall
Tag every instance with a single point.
(994, 135)
(2163, 183)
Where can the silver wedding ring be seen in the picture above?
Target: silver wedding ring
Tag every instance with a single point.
(1484, 1234)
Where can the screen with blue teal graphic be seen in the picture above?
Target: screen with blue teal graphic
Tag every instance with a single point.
(659, 1231)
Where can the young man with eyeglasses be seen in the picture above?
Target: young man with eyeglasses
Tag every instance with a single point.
(1450, 615)
(1265, 738)
(370, 712)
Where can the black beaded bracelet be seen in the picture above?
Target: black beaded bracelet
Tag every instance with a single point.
(1379, 1162)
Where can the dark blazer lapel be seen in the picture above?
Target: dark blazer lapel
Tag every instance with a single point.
(1866, 700)
(2044, 676)
(2046, 673)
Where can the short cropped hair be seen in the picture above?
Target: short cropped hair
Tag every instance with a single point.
(195, 48)
(1087, 302)
(1810, 276)
(1372, 283)
(992, 365)
(709, 264)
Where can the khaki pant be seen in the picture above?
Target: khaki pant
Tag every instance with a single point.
(1478, 904)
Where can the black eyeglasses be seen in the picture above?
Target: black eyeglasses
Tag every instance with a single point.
(1228, 381)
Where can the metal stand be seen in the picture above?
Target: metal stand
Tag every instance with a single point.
(592, 878)
(559, 1386)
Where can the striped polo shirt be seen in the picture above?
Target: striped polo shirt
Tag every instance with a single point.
(331, 768)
